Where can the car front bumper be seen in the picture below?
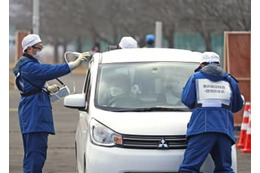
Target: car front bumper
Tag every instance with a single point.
(122, 160)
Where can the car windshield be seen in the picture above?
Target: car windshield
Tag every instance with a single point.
(146, 86)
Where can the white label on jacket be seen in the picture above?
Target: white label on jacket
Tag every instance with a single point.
(213, 93)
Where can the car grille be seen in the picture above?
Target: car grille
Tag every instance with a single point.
(155, 142)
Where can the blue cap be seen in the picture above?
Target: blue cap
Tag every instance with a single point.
(149, 37)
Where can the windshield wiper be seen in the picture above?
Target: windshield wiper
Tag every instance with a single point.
(153, 109)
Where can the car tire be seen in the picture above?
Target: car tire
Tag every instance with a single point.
(77, 169)
(85, 171)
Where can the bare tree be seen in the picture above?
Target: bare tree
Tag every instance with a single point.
(63, 21)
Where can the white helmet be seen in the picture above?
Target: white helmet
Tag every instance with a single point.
(30, 40)
(209, 57)
(128, 42)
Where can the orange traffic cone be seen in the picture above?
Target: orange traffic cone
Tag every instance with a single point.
(247, 148)
(244, 126)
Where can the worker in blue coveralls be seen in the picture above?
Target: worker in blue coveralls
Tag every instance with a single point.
(213, 95)
(35, 111)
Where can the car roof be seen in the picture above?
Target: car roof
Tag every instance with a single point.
(149, 54)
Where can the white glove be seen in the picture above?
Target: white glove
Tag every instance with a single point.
(53, 88)
(82, 57)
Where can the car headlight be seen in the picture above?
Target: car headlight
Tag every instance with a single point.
(102, 135)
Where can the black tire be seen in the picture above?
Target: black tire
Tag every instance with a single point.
(77, 170)
(85, 164)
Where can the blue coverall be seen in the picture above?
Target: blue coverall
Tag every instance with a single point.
(210, 129)
(35, 111)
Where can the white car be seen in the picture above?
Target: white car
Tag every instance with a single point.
(131, 117)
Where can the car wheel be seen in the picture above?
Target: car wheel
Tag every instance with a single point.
(76, 152)
(84, 164)
(77, 168)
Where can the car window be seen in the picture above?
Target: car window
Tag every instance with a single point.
(87, 88)
(86, 82)
(142, 85)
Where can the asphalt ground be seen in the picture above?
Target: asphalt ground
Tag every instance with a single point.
(61, 153)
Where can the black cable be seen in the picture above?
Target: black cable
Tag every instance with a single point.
(60, 81)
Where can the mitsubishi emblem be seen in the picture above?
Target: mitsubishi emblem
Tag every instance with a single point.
(163, 144)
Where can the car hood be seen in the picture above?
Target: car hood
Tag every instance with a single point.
(145, 123)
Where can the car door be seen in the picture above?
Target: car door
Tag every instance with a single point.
(82, 128)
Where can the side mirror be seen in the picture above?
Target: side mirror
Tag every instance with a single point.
(75, 101)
